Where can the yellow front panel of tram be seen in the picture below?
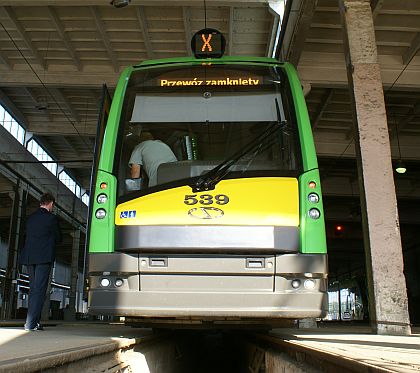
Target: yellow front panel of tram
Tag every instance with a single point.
(252, 201)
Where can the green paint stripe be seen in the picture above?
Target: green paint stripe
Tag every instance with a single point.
(111, 130)
(305, 132)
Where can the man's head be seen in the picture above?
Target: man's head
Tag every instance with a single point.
(145, 135)
(47, 201)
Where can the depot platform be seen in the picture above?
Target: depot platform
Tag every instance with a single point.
(354, 348)
(61, 344)
(350, 347)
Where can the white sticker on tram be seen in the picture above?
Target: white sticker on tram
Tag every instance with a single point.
(128, 214)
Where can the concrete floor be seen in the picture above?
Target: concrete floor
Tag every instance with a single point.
(397, 354)
(62, 342)
(394, 353)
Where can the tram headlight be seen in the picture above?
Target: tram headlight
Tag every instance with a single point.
(100, 213)
(309, 284)
(312, 197)
(314, 214)
(119, 282)
(105, 282)
(102, 198)
(295, 283)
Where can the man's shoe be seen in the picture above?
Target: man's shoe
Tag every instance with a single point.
(37, 327)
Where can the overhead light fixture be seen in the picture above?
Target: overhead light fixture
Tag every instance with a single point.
(120, 3)
(400, 167)
(41, 105)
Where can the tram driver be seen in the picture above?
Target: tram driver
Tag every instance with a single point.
(147, 156)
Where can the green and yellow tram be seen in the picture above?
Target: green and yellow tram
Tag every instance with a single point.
(233, 228)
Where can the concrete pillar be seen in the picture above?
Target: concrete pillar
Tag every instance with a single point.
(9, 288)
(70, 313)
(387, 288)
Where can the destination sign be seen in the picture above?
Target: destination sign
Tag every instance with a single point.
(210, 82)
(208, 43)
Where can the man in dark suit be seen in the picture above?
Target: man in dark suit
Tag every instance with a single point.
(38, 254)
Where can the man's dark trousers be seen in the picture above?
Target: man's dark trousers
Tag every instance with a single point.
(38, 254)
(38, 281)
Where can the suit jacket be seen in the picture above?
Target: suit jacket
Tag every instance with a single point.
(42, 235)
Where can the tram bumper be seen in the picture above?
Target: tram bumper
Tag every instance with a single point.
(208, 286)
(206, 306)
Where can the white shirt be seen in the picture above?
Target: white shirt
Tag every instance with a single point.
(151, 154)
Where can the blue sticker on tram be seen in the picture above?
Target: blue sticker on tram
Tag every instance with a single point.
(128, 214)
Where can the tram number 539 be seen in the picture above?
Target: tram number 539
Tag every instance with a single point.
(206, 199)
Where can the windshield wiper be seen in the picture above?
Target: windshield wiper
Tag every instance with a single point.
(209, 180)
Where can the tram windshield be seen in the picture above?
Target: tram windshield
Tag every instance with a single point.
(182, 122)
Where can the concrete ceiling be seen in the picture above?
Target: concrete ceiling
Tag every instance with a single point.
(55, 56)
(315, 45)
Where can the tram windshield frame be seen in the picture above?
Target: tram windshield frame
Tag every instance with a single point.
(206, 114)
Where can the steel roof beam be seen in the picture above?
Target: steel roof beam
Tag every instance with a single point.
(61, 128)
(299, 29)
(70, 145)
(105, 39)
(141, 17)
(29, 93)
(39, 179)
(325, 102)
(60, 29)
(76, 164)
(376, 6)
(133, 2)
(412, 51)
(59, 95)
(186, 16)
(414, 112)
(231, 29)
(24, 35)
(5, 61)
(12, 109)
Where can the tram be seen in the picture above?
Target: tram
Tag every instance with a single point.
(232, 229)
